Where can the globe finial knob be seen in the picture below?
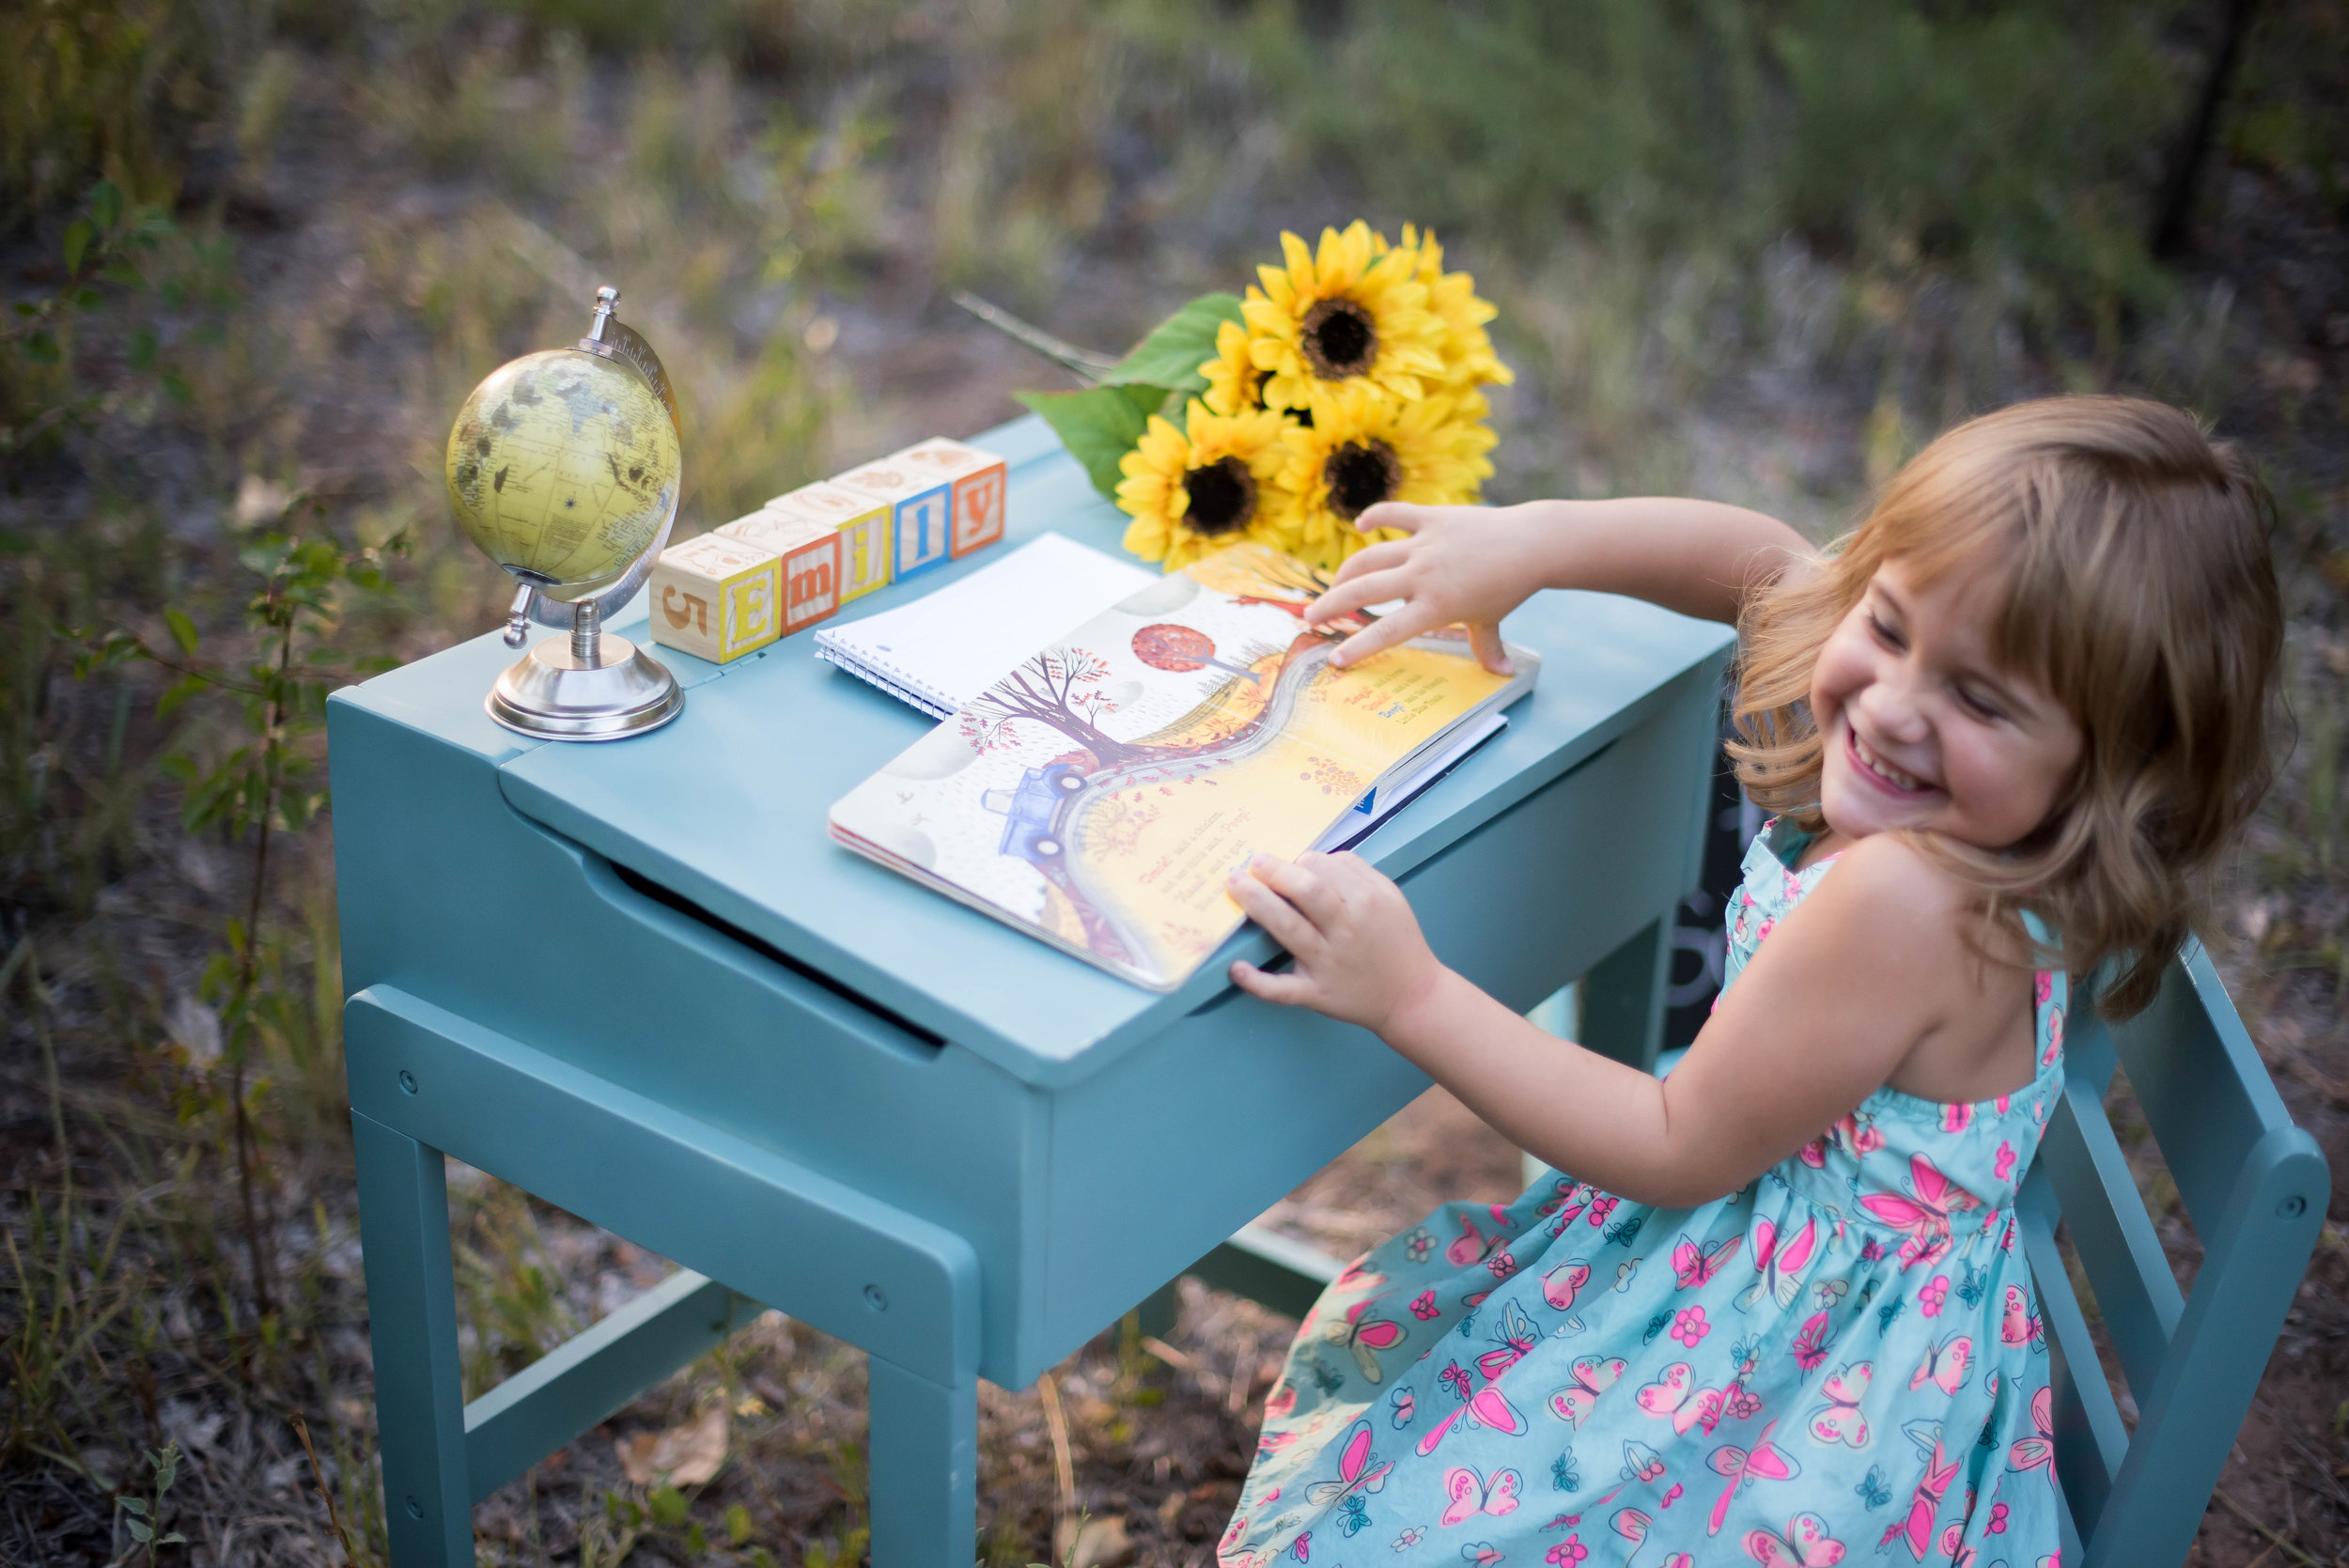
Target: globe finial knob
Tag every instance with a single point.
(606, 298)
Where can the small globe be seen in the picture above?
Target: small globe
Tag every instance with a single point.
(564, 467)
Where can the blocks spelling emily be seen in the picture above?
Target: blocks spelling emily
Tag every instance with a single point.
(919, 510)
(867, 553)
(810, 549)
(977, 482)
(717, 597)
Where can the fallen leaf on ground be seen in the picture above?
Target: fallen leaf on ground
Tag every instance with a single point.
(1103, 1544)
(687, 1455)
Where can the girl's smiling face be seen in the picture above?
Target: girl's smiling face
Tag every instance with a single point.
(1923, 729)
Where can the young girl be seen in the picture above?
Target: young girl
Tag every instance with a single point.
(1776, 1310)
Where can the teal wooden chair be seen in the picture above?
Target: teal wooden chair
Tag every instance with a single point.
(2256, 1187)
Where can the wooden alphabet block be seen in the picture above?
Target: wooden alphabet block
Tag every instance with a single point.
(810, 551)
(976, 481)
(717, 597)
(866, 557)
(919, 508)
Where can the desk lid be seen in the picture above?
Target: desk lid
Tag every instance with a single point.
(726, 805)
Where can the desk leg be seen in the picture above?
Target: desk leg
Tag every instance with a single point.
(412, 1320)
(925, 1467)
(1623, 999)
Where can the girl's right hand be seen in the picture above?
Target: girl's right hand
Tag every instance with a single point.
(1461, 565)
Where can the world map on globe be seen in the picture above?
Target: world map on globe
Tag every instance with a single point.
(564, 467)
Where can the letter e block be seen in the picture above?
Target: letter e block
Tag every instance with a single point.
(717, 597)
(810, 551)
(920, 511)
(976, 481)
(866, 556)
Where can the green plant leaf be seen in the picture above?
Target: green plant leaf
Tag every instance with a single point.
(737, 1524)
(136, 1505)
(668, 1505)
(1099, 426)
(40, 348)
(1172, 354)
(183, 629)
(140, 1532)
(78, 234)
(142, 348)
(106, 201)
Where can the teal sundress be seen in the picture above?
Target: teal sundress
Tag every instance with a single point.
(1843, 1358)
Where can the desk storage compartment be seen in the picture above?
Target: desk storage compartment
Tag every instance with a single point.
(587, 966)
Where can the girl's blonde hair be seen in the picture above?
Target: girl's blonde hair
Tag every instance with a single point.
(2136, 583)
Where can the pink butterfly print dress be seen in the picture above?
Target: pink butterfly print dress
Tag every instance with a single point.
(1843, 1362)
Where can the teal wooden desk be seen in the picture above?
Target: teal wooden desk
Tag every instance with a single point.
(637, 980)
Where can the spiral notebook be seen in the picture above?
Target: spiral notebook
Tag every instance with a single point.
(944, 649)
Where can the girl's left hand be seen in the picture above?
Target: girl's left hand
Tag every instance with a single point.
(1359, 952)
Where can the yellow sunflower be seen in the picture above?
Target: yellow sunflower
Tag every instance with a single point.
(1467, 350)
(1195, 490)
(1234, 382)
(1364, 447)
(1344, 314)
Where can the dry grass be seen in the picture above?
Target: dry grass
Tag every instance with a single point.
(374, 207)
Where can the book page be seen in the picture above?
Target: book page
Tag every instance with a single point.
(1099, 793)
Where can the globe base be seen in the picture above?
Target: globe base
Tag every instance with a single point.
(552, 694)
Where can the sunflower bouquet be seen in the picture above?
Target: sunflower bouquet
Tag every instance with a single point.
(1348, 375)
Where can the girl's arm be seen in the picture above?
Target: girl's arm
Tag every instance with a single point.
(1852, 981)
(1476, 564)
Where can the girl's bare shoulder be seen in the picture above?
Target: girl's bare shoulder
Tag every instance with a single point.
(1892, 903)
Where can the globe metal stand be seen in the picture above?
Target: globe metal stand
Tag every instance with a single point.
(586, 687)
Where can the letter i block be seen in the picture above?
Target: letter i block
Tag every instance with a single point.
(920, 509)
(717, 599)
(977, 482)
(867, 558)
(810, 551)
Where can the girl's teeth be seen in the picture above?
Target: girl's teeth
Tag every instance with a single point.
(1880, 769)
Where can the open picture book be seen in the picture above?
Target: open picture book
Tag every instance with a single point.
(1097, 794)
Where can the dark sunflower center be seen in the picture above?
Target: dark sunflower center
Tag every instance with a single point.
(1339, 339)
(1222, 497)
(1360, 474)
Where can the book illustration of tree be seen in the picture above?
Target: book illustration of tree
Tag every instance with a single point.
(1059, 688)
(1180, 649)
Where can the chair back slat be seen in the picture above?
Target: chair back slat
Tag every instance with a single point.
(2136, 1293)
(2205, 1092)
(2090, 1440)
(2258, 1247)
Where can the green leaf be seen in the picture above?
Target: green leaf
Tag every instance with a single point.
(142, 348)
(668, 1505)
(737, 1524)
(40, 348)
(123, 274)
(183, 629)
(87, 297)
(136, 1505)
(1178, 346)
(140, 1532)
(78, 234)
(1098, 426)
(105, 200)
(174, 1538)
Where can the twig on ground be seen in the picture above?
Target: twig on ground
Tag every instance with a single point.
(1064, 1458)
(318, 1478)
